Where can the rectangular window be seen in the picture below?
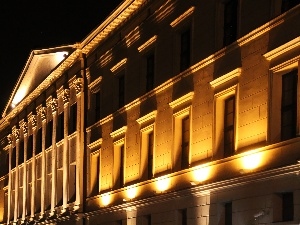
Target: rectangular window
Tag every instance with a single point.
(289, 105)
(21, 152)
(121, 80)
(97, 105)
(73, 118)
(13, 158)
(94, 172)
(122, 155)
(185, 144)
(150, 154)
(229, 118)
(185, 50)
(288, 4)
(39, 141)
(230, 21)
(49, 129)
(183, 215)
(150, 72)
(287, 206)
(60, 127)
(228, 213)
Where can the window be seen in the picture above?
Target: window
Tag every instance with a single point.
(21, 152)
(121, 165)
(73, 118)
(228, 213)
(150, 154)
(94, 171)
(185, 145)
(287, 206)
(181, 128)
(60, 127)
(49, 130)
(150, 72)
(229, 117)
(13, 158)
(183, 216)
(97, 105)
(185, 50)
(289, 105)
(230, 21)
(121, 88)
(288, 4)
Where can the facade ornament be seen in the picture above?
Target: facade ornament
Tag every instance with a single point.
(43, 113)
(9, 139)
(16, 133)
(78, 85)
(66, 96)
(33, 121)
(24, 127)
(53, 105)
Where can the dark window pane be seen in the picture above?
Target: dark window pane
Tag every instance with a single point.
(185, 50)
(228, 213)
(73, 118)
(121, 90)
(13, 158)
(289, 105)
(121, 166)
(97, 105)
(60, 127)
(185, 142)
(150, 72)
(49, 133)
(39, 141)
(150, 154)
(287, 206)
(29, 146)
(21, 152)
(229, 117)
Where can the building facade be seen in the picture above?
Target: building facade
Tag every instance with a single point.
(169, 112)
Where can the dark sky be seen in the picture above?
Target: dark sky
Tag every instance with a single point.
(38, 24)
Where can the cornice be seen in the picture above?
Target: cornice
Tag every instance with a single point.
(147, 44)
(182, 17)
(226, 77)
(186, 98)
(147, 117)
(118, 132)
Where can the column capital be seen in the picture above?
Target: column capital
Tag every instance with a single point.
(33, 121)
(43, 113)
(16, 133)
(66, 96)
(78, 83)
(24, 127)
(53, 104)
(9, 139)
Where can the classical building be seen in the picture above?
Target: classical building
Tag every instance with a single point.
(170, 112)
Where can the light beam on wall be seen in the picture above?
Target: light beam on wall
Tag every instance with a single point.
(163, 183)
(251, 161)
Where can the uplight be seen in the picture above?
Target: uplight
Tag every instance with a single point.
(252, 161)
(106, 199)
(201, 174)
(131, 192)
(163, 184)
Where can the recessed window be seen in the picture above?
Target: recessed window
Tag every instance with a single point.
(230, 22)
(185, 50)
(60, 127)
(13, 158)
(121, 90)
(39, 141)
(150, 72)
(73, 118)
(287, 206)
(229, 118)
(289, 105)
(97, 99)
(29, 146)
(228, 213)
(150, 154)
(49, 130)
(21, 152)
(185, 144)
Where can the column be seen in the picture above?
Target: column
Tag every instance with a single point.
(66, 98)
(43, 114)
(79, 142)
(33, 122)
(16, 133)
(53, 105)
(25, 136)
(9, 139)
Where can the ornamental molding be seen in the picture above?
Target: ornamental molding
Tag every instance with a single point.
(42, 111)
(53, 105)
(182, 100)
(24, 127)
(148, 117)
(226, 77)
(119, 65)
(147, 44)
(66, 96)
(182, 17)
(16, 133)
(78, 84)
(9, 139)
(33, 121)
(118, 132)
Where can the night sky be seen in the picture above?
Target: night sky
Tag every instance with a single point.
(33, 24)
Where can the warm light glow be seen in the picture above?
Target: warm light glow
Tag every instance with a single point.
(201, 174)
(163, 184)
(252, 161)
(60, 56)
(131, 192)
(106, 199)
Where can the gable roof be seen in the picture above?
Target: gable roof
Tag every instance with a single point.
(39, 65)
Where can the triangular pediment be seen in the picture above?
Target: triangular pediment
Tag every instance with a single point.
(39, 65)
